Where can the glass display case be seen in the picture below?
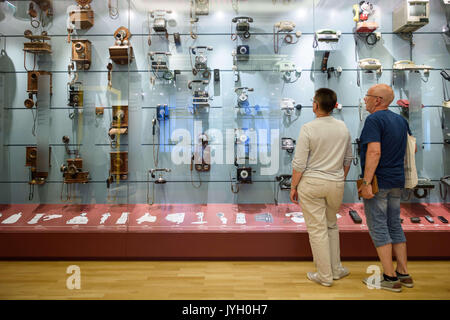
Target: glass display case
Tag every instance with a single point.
(181, 116)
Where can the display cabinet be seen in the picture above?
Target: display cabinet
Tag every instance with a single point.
(180, 120)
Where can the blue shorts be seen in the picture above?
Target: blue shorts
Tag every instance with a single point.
(383, 217)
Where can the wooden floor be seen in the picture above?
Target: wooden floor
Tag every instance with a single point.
(200, 280)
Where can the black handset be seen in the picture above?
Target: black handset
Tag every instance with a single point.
(249, 19)
(355, 216)
(443, 220)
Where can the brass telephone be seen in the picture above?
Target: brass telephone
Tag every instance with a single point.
(73, 171)
(76, 95)
(82, 17)
(119, 124)
(119, 167)
(122, 51)
(201, 159)
(82, 53)
(46, 8)
(37, 45)
(32, 86)
(36, 177)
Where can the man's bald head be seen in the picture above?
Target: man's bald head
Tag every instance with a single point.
(384, 91)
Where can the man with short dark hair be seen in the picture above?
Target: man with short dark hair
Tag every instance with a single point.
(383, 145)
(323, 156)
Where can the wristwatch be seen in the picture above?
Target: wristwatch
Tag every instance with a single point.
(366, 183)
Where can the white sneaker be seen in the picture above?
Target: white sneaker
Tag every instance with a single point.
(343, 272)
(314, 276)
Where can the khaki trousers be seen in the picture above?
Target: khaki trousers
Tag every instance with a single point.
(320, 200)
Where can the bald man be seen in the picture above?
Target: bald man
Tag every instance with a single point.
(383, 146)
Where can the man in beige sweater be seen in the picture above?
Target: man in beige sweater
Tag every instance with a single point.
(323, 156)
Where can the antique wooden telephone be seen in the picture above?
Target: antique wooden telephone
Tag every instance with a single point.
(121, 52)
(72, 171)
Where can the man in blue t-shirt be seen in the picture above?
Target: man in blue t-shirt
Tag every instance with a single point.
(383, 146)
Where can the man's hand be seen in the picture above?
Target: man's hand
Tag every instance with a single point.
(294, 196)
(366, 191)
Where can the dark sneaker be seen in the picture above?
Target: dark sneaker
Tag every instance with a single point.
(343, 272)
(405, 280)
(394, 286)
(314, 276)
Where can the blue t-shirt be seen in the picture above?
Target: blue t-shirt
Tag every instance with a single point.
(390, 129)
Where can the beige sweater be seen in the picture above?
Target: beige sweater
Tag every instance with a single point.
(323, 149)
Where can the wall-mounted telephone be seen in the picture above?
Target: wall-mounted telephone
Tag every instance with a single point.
(410, 65)
(162, 112)
(284, 181)
(37, 45)
(197, 8)
(328, 35)
(288, 105)
(242, 96)
(159, 64)
(201, 7)
(290, 73)
(243, 53)
(288, 144)
(200, 56)
(82, 17)
(46, 8)
(122, 51)
(201, 159)
(242, 27)
(159, 23)
(118, 167)
(36, 177)
(75, 95)
(81, 53)
(200, 96)
(284, 27)
(160, 179)
(32, 86)
(119, 124)
(73, 171)
(370, 64)
(362, 13)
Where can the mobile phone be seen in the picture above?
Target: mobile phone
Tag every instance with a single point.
(355, 216)
(429, 219)
(415, 219)
(443, 220)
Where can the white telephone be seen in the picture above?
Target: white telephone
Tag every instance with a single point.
(370, 64)
(409, 65)
(284, 26)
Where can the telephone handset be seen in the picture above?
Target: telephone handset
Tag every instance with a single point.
(326, 31)
(403, 62)
(235, 19)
